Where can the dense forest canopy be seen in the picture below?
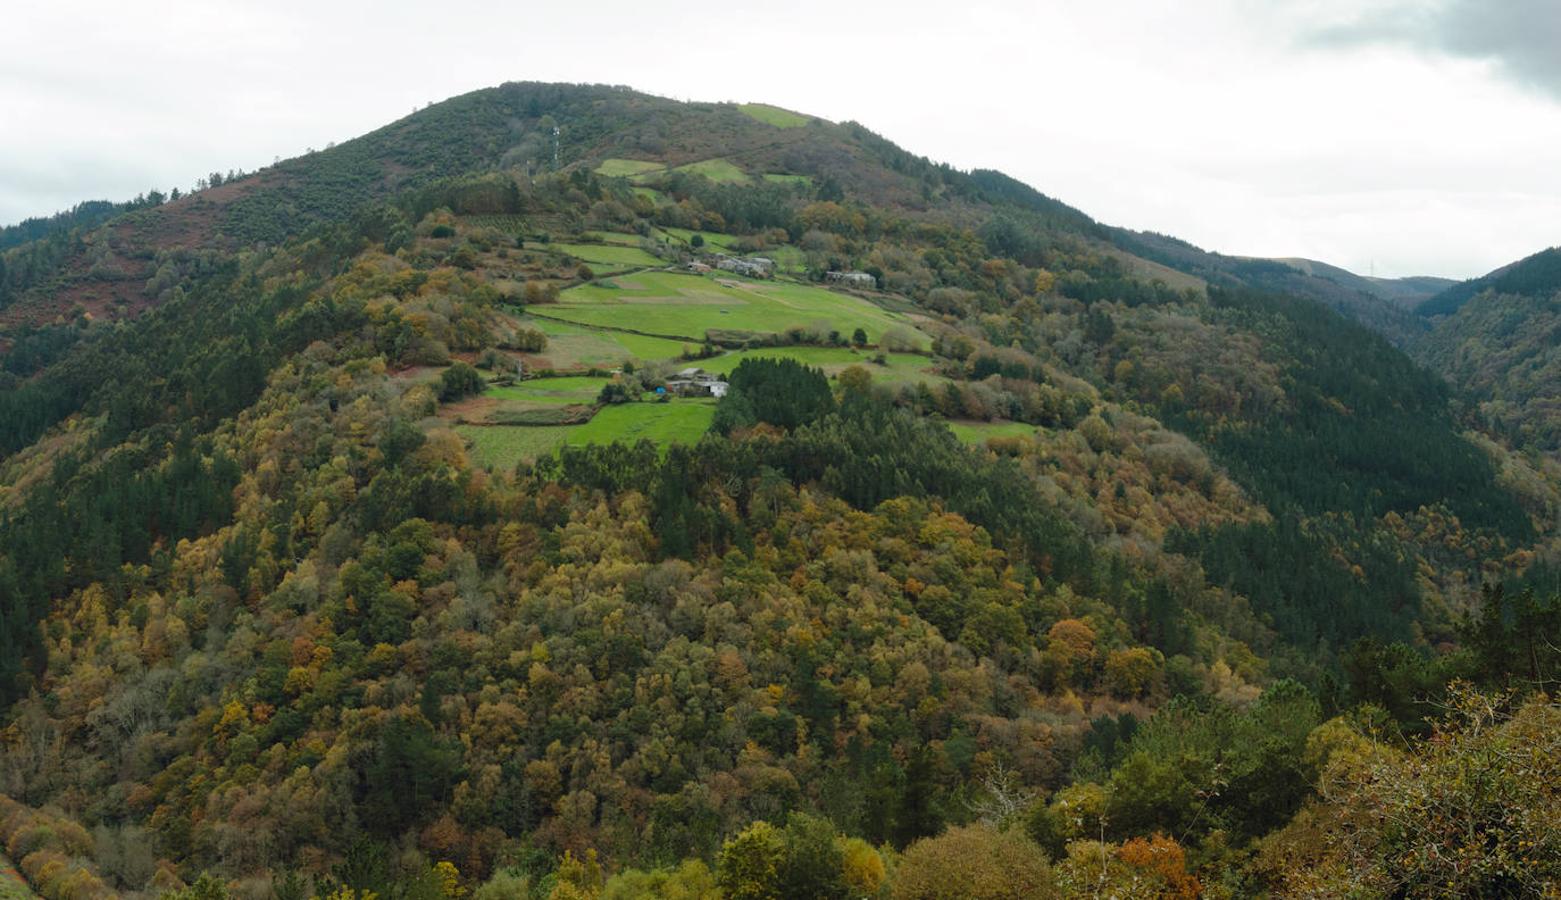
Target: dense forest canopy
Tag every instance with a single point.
(564, 492)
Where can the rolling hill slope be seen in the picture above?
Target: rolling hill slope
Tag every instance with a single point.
(328, 542)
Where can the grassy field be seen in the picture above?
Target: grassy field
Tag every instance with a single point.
(717, 170)
(573, 347)
(502, 446)
(774, 115)
(681, 420)
(712, 238)
(549, 391)
(604, 254)
(978, 432)
(624, 168)
(687, 306)
(614, 237)
(778, 178)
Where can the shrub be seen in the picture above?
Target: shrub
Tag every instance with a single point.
(973, 863)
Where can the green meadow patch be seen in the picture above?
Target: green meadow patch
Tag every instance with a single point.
(688, 306)
(607, 254)
(626, 168)
(717, 170)
(774, 115)
(978, 432)
(572, 346)
(564, 391)
(779, 178)
(502, 446)
(681, 421)
(613, 237)
(713, 239)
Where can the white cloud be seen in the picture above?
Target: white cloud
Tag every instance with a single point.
(1225, 122)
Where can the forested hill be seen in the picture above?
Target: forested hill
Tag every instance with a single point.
(112, 271)
(365, 532)
(1497, 339)
(1383, 306)
(1533, 276)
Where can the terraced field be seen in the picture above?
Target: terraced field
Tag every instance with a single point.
(721, 171)
(626, 168)
(502, 446)
(718, 170)
(571, 347)
(613, 237)
(688, 306)
(604, 254)
(711, 238)
(549, 391)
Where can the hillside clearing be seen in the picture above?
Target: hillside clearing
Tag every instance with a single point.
(624, 168)
(979, 432)
(721, 171)
(681, 421)
(689, 306)
(571, 346)
(774, 115)
(605, 254)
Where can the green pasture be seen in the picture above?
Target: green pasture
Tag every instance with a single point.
(574, 347)
(625, 168)
(688, 306)
(679, 420)
(712, 238)
(608, 254)
(563, 391)
(978, 432)
(502, 446)
(613, 237)
(717, 170)
(774, 115)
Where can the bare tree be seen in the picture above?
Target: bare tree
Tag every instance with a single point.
(1002, 798)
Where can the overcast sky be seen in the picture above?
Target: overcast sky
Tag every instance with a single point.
(1413, 137)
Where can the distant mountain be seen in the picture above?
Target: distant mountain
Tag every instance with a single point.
(1379, 304)
(1408, 292)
